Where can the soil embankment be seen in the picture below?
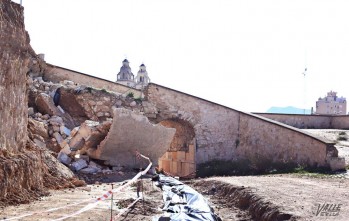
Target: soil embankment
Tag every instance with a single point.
(279, 197)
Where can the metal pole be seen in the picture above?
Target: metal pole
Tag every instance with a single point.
(21, 2)
(111, 205)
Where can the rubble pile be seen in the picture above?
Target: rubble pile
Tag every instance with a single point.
(73, 121)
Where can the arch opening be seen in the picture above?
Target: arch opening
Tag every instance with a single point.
(179, 159)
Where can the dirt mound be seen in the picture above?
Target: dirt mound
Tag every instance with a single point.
(231, 196)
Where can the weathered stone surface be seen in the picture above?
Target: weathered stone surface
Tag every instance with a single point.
(64, 158)
(222, 133)
(30, 111)
(337, 163)
(128, 133)
(79, 164)
(45, 105)
(89, 135)
(61, 142)
(90, 170)
(36, 127)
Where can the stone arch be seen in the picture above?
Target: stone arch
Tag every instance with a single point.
(184, 135)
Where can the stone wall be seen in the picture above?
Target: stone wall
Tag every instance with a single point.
(310, 121)
(340, 122)
(58, 74)
(301, 121)
(223, 133)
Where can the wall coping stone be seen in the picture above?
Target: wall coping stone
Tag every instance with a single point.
(246, 113)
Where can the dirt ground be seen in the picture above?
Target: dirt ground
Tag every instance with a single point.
(58, 198)
(294, 194)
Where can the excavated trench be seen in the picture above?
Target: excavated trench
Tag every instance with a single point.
(239, 203)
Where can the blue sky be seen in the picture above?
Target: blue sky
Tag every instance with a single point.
(248, 55)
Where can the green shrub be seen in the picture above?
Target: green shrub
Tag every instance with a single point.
(130, 94)
(138, 100)
(253, 167)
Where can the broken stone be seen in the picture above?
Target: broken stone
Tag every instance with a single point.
(100, 114)
(133, 103)
(56, 128)
(81, 156)
(90, 170)
(77, 142)
(61, 142)
(45, 104)
(61, 109)
(118, 103)
(38, 114)
(64, 130)
(56, 120)
(79, 164)
(40, 143)
(63, 158)
(74, 131)
(36, 127)
(66, 149)
(45, 117)
(131, 132)
(94, 164)
(77, 182)
(66, 82)
(30, 111)
(89, 135)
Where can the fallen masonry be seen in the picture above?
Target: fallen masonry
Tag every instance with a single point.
(132, 132)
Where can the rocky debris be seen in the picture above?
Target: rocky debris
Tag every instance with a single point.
(64, 158)
(130, 132)
(89, 135)
(37, 127)
(45, 105)
(30, 111)
(149, 109)
(79, 164)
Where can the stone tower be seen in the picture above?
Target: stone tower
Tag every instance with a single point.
(142, 78)
(125, 76)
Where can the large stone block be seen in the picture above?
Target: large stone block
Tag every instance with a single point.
(89, 135)
(45, 105)
(132, 132)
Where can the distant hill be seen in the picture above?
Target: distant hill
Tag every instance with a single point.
(288, 110)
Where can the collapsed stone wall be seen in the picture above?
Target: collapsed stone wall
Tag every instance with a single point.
(58, 74)
(223, 133)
